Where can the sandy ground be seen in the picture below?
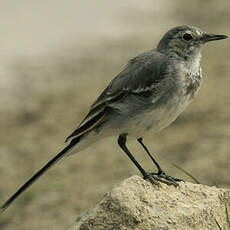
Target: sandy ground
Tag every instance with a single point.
(44, 95)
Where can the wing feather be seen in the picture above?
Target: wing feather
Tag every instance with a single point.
(140, 77)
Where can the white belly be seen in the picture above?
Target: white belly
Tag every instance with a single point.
(153, 121)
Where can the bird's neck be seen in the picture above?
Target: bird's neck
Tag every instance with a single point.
(186, 55)
(193, 62)
(190, 60)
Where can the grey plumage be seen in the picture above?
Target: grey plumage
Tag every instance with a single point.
(149, 94)
(138, 83)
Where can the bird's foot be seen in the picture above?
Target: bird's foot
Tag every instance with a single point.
(152, 178)
(156, 179)
(166, 179)
(161, 176)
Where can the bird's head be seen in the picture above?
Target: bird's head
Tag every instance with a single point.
(185, 41)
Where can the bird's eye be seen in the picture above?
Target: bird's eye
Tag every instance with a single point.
(187, 37)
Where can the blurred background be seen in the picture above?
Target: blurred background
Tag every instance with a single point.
(55, 59)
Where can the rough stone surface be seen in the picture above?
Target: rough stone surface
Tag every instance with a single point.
(137, 204)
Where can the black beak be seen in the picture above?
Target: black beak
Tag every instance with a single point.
(213, 37)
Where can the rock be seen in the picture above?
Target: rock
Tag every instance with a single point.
(137, 204)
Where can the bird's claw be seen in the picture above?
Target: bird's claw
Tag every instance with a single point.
(156, 178)
(169, 180)
(152, 178)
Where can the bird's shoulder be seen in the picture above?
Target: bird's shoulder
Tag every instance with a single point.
(141, 74)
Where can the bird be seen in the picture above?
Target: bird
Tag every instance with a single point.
(145, 97)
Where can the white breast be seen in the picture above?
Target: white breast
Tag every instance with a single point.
(159, 118)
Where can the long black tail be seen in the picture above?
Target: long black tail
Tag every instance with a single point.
(53, 161)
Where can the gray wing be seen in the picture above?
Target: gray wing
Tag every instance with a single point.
(141, 77)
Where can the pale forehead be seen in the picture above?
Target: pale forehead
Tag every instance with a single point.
(194, 30)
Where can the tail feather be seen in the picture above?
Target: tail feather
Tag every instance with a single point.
(52, 162)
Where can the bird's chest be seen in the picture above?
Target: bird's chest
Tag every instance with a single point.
(190, 81)
(187, 87)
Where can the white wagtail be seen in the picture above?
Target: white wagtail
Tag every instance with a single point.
(148, 95)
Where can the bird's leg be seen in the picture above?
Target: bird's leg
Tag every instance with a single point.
(140, 140)
(160, 172)
(122, 143)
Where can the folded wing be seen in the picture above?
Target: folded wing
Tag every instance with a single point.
(140, 77)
